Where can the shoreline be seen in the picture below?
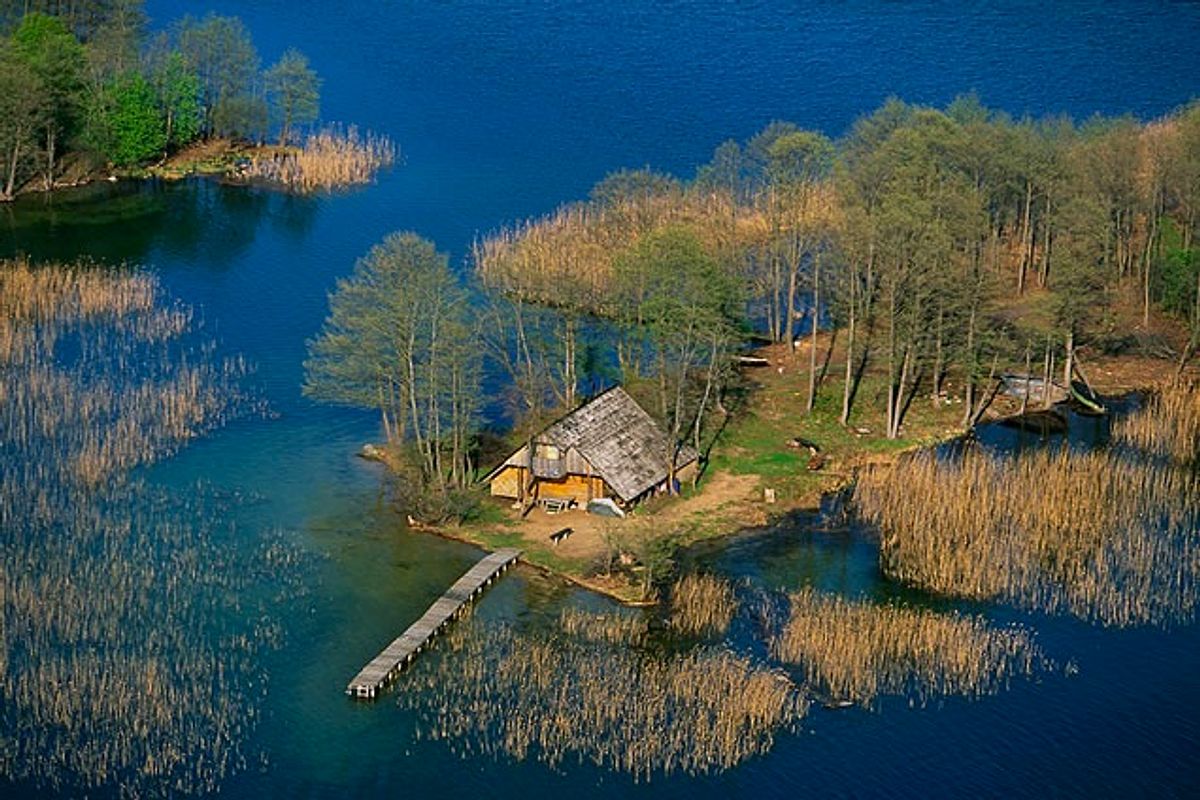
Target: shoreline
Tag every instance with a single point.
(696, 518)
(218, 159)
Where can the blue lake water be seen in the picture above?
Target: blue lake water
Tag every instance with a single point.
(506, 109)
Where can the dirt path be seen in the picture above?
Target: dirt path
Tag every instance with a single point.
(725, 497)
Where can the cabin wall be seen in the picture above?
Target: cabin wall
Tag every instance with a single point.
(572, 487)
(507, 483)
(687, 473)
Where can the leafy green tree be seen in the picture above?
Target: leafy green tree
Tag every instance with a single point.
(21, 108)
(56, 59)
(125, 125)
(177, 91)
(294, 90)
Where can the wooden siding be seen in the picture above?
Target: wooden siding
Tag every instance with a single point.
(507, 483)
(572, 487)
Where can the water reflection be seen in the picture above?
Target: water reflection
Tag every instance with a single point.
(200, 221)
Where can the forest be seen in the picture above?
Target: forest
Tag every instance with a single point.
(84, 84)
(926, 244)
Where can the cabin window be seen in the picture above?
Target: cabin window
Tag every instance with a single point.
(548, 452)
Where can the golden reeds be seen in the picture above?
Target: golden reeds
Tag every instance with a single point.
(1168, 425)
(702, 605)
(126, 395)
(126, 656)
(1096, 534)
(613, 627)
(500, 692)
(330, 159)
(571, 254)
(856, 651)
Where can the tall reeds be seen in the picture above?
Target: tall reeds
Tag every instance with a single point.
(702, 605)
(95, 372)
(570, 256)
(856, 651)
(612, 627)
(1098, 535)
(332, 158)
(128, 618)
(500, 692)
(1167, 426)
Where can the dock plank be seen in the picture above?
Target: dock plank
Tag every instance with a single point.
(372, 678)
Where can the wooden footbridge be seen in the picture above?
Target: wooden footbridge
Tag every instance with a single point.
(387, 665)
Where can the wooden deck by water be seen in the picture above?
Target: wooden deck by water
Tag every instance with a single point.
(387, 665)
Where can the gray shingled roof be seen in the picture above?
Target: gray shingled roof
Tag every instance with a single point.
(619, 439)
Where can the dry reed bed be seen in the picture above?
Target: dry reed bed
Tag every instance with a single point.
(1098, 535)
(100, 373)
(612, 627)
(500, 692)
(129, 621)
(1167, 426)
(574, 250)
(702, 605)
(330, 159)
(857, 651)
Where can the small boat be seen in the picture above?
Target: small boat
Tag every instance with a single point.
(1042, 421)
(1031, 388)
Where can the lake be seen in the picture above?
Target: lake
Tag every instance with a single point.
(504, 110)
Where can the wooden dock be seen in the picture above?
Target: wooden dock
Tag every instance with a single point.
(387, 665)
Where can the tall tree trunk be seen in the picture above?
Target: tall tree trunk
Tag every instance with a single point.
(387, 428)
(10, 182)
(891, 387)
(938, 357)
(816, 314)
(1148, 257)
(51, 152)
(569, 379)
(710, 381)
(789, 325)
(1044, 272)
(1069, 361)
(777, 295)
(1025, 236)
(969, 392)
(850, 331)
(896, 397)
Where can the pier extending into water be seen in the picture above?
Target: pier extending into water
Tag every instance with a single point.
(387, 665)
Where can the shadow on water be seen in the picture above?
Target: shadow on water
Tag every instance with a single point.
(200, 221)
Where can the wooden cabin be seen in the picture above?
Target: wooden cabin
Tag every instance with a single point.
(609, 447)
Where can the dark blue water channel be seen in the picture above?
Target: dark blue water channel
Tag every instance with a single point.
(503, 110)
